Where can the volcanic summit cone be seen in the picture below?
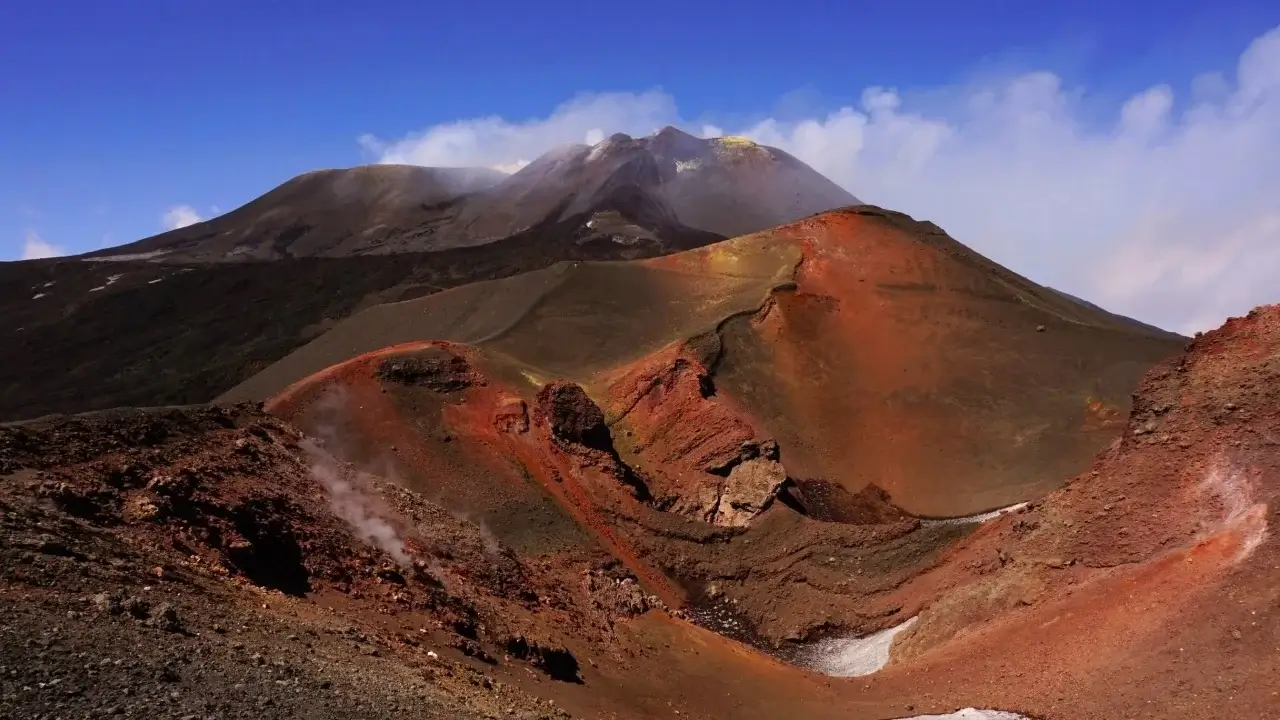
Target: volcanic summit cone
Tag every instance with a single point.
(666, 186)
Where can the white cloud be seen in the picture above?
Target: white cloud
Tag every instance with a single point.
(510, 167)
(180, 216)
(1167, 212)
(35, 248)
(498, 143)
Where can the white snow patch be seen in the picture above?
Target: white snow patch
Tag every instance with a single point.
(153, 282)
(972, 714)
(687, 165)
(510, 168)
(1230, 488)
(111, 279)
(37, 296)
(127, 256)
(1235, 493)
(853, 657)
(980, 517)
(49, 284)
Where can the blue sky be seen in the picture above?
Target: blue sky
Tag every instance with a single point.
(115, 113)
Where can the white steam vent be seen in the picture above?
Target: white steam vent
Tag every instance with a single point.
(852, 657)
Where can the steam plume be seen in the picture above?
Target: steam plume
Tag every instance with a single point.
(348, 501)
(353, 506)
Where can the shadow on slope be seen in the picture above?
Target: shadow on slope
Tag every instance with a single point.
(88, 335)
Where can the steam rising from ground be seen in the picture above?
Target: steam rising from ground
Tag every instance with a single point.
(360, 509)
(356, 507)
(491, 543)
(35, 247)
(1233, 494)
(1164, 211)
(180, 216)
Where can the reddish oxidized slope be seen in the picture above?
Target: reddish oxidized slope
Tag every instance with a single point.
(899, 359)
(1122, 571)
(1158, 566)
(874, 349)
(532, 471)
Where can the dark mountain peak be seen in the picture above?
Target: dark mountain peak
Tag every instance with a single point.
(671, 131)
(716, 187)
(677, 144)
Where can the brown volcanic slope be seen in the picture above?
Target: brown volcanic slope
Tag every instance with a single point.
(876, 350)
(214, 561)
(628, 189)
(1148, 586)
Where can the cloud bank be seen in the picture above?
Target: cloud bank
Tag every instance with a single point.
(498, 143)
(1165, 211)
(35, 248)
(180, 216)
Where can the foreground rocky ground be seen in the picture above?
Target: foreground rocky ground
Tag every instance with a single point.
(180, 562)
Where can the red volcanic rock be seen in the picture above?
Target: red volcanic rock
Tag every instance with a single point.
(697, 451)
(830, 502)
(512, 416)
(442, 373)
(750, 488)
(669, 414)
(571, 416)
